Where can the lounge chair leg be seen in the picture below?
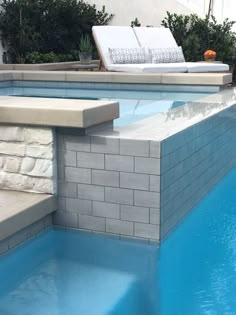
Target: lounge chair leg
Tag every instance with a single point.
(100, 65)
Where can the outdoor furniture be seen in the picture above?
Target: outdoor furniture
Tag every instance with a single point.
(86, 66)
(157, 37)
(125, 37)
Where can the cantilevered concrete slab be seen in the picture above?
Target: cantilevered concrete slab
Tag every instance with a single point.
(18, 210)
(56, 112)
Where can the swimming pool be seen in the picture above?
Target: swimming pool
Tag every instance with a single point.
(68, 272)
(135, 105)
(73, 273)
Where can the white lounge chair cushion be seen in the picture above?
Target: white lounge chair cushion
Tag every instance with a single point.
(113, 37)
(149, 68)
(127, 55)
(166, 55)
(155, 37)
(206, 67)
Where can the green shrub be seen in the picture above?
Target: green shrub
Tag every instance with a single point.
(196, 35)
(37, 57)
(46, 26)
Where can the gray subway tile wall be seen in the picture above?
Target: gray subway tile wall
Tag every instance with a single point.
(203, 155)
(109, 185)
(141, 188)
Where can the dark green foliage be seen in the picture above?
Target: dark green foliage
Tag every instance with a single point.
(196, 35)
(46, 26)
(36, 57)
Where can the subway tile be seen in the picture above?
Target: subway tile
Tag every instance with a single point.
(48, 221)
(134, 181)
(60, 172)
(135, 214)
(78, 175)
(35, 228)
(119, 195)
(69, 158)
(65, 219)
(155, 216)
(134, 147)
(133, 239)
(60, 142)
(77, 143)
(106, 209)
(91, 192)
(119, 227)
(79, 205)
(105, 178)
(18, 238)
(147, 166)
(60, 155)
(155, 149)
(3, 246)
(61, 203)
(90, 160)
(147, 230)
(91, 223)
(155, 183)
(147, 199)
(67, 189)
(119, 163)
(105, 145)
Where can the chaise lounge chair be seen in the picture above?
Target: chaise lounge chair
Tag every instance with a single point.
(122, 38)
(157, 37)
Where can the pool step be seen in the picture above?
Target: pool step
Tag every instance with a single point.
(68, 288)
(19, 210)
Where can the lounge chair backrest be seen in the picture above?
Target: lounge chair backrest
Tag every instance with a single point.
(113, 37)
(155, 37)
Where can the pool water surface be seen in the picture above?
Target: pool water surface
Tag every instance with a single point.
(134, 105)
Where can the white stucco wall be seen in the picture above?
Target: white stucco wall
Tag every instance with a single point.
(149, 12)
(225, 9)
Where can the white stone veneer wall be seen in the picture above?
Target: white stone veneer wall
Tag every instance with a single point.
(27, 159)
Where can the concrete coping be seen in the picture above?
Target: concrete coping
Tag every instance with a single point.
(46, 66)
(208, 79)
(19, 210)
(164, 125)
(56, 112)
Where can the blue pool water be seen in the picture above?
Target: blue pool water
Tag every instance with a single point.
(134, 105)
(197, 268)
(70, 273)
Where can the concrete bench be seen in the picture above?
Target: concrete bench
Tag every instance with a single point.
(19, 210)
